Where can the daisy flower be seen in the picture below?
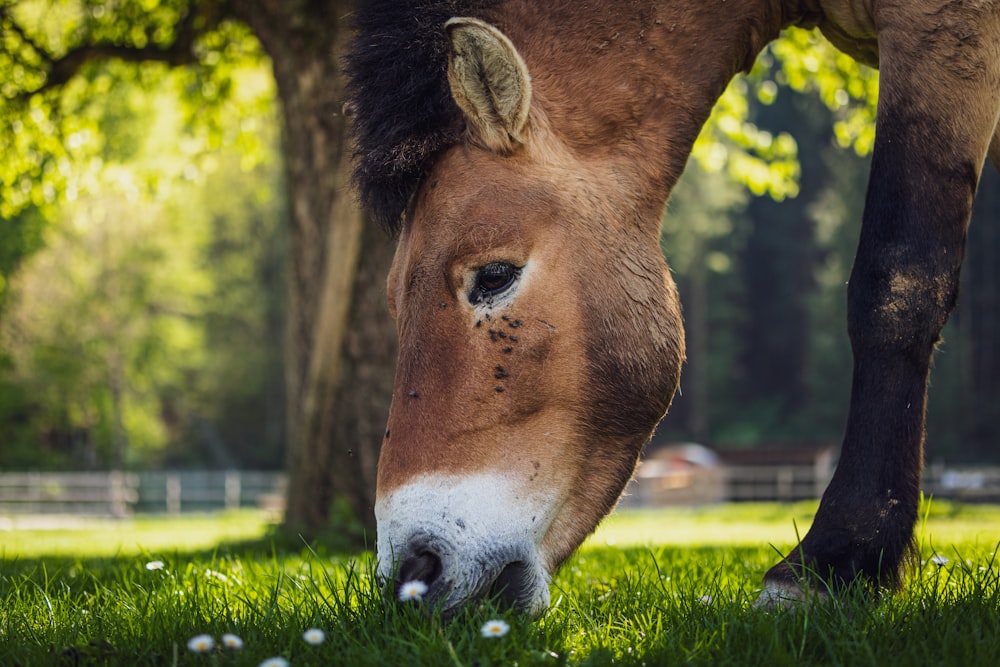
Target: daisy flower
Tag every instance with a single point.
(495, 628)
(154, 565)
(412, 590)
(230, 640)
(274, 662)
(314, 636)
(939, 560)
(705, 599)
(201, 643)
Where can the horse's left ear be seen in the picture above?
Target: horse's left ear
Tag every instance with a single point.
(489, 82)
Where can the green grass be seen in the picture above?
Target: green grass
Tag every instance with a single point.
(650, 587)
(110, 537)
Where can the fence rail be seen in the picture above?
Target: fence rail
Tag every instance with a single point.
(784, 483)
(696, 486)
(979, 484)
(120, 494)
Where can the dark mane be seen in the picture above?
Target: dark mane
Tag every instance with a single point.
(403, 114)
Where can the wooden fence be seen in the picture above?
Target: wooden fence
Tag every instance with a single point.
(120, 494)
(968, 484)
(785, 483)
(699, 486)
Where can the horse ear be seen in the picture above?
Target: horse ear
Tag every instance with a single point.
(489, 82)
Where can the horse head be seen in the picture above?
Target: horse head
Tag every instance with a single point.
(540, 342)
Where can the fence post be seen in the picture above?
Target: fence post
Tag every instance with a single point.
(786, 482)
(117, 494)
(233, 489)
(173, 494)
(34, 494)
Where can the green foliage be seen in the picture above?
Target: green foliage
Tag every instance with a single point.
(153, 308)
(717, 239)
(699, 216)
(809, 64)
(659, 603)
(147, 323)
(60, 61)
(712, 220)
(767, 163)
(764, 163)
(20, 236)
(105, 316)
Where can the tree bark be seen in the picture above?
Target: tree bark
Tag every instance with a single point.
(340, 342)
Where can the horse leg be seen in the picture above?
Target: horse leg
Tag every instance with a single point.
(938, 107)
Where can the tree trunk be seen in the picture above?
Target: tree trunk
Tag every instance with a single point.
(368, 360)
(337, 395)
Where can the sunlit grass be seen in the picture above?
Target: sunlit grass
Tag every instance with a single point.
(779, 524)
(676, 594)
(27, 538)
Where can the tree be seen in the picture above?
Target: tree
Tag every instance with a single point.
(739, 234)
(780, 260)
(98, 371)
(138, 334)
(769, 358)
(49, 47)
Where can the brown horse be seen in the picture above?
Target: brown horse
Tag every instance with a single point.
(524, 152)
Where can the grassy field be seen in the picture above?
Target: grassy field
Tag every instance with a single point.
(650, 587)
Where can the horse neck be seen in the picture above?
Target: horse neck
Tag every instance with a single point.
(629, 85)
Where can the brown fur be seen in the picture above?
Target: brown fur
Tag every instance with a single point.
(619, 91)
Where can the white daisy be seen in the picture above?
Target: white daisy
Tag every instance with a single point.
(274, 662)
(230, 640)
(201, 643)
(939, 560)
(155, 565)
(314, 636)
(495, 628)
(412, 590)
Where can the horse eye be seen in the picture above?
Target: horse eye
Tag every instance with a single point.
(493, 279)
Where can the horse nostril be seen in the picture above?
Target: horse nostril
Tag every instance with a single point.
(511, 585)
(424, 566)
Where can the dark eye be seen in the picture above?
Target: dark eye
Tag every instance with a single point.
(493, 279)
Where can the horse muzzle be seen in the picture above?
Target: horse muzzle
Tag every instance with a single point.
(452, 541)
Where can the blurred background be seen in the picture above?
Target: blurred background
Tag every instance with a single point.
(185, 284)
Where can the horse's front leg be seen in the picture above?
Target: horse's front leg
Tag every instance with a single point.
(938, 107)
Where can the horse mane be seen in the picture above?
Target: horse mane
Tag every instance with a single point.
(397, 89)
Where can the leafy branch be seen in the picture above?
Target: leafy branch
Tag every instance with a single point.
(198, 19)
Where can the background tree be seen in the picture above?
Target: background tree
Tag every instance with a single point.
(50, 47)
(142, 332)
(765, 307)
(750, 203)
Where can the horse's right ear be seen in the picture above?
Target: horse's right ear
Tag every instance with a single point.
(489, 82)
